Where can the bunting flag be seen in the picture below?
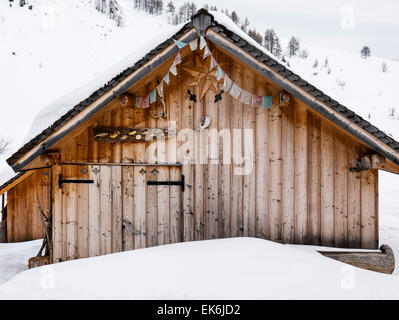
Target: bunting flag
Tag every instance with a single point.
(256, 100)
(138, 102)
(166, 78)
(153, 96)
(160, 89)
(177, 59)
(207, 52)
(219, 73)
(194, 45)
(145, 103)
(173, 70)
(235, 91)
(213, 63)
(180, 44)
(202, 42)
(246, 97)
(227, 83)
(267, 102)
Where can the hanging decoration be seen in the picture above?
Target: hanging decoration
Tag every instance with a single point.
(207, 77)
(202, 77)
(218, 97)
(194, 45)
(193, 97)
(205, 123)
(122, 135)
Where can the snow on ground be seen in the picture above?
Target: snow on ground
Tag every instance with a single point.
(60, 46)
(14, 258)
(239, 268)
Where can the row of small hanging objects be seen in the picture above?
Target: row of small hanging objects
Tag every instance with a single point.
(229, 86)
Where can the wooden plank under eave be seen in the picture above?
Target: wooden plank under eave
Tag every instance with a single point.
(301, 196)
(249, 183)
(288, 170)
(116, 187)
(163, 205)
(105, 210)
(212, 172)
(200, 160)
(376, 212)
(155, 214)
(57, 215)
(341, 190)
(127, 207)
(368, 207)
(354, 197)
(71, 200)
(262, 167)
(225, 149)
(83, 213)
(140, 205)
(187, 157)
(237, 227)
(314, 201)
(94, 211)
(327, 184)
(275, 170)
(174, 106)
(116, 182)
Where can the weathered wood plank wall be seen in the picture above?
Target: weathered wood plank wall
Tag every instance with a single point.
(299, 188)
(24, 221)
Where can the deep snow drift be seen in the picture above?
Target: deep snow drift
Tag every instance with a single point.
(14, 258)
(239, 268)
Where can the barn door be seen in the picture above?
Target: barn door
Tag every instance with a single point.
(107, 209)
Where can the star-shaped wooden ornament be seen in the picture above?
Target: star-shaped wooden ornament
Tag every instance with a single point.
(203, 76)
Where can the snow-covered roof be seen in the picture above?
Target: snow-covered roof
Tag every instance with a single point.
(61, 111)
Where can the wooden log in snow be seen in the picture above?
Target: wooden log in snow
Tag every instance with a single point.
(383, 261)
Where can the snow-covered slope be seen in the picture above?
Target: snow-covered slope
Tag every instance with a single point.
(14, 258)
(239, 268)
(58, 47)
(360, 84)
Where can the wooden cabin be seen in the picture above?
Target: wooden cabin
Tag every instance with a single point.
(114, 176)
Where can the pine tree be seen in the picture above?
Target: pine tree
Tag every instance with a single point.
(293, 46)
(384, 67)
(277, 48)
(255, 35)
(170, 7)
(235, 18)
(270, 40)
(3, 145)
(112, 9)
(245, 25)
(365, 52)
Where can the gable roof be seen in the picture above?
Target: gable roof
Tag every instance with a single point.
(239, 45)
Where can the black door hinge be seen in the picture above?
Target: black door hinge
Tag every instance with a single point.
(62, 181)
(168, 183)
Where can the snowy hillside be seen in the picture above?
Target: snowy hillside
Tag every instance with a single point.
(360, 84)
(59, 46)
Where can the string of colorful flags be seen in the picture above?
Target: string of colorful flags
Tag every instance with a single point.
(229, 86)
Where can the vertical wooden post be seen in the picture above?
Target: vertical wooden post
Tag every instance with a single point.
(58, 229)
(3, 224)
(301, 203)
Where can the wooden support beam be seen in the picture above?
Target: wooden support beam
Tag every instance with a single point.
(381, 163)
(3, 223)
(383, 261)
